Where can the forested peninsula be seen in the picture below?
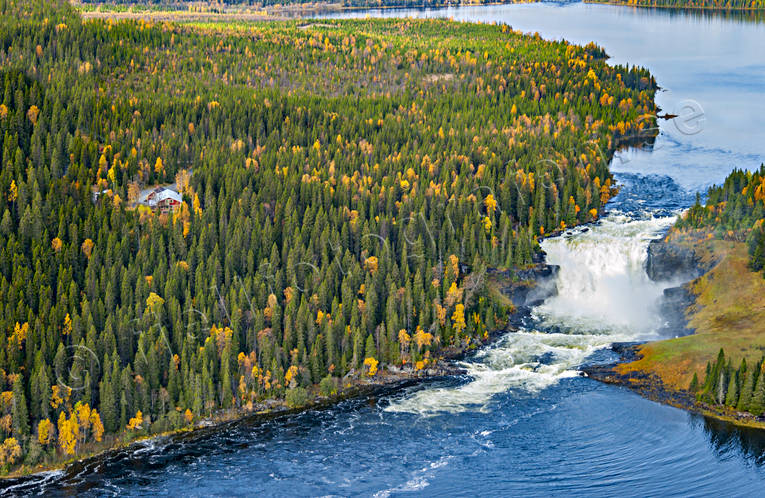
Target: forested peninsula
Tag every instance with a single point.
(329, 198)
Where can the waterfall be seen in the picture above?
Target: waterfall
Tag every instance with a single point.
(604, 296)
(602, 284)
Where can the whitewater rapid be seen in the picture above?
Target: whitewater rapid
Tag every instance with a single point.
(604, 296)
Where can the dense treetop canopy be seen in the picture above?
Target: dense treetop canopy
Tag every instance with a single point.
(735, 211)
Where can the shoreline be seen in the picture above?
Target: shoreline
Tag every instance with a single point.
(386, 381)
(653, 388)
(228, 417)
(679, 8)
(234, 416)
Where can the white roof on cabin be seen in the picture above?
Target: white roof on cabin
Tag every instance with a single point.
(162, 193)
(168, 194)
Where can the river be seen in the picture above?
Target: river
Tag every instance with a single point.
(523, 420)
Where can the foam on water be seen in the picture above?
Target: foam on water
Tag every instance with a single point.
(417, 481)
(604, 296)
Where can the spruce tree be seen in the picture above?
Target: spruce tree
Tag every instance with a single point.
(694, 386)
(745, 397)
(19, 413)
(732, 396)
(757, 405)
(108, 403)
(370, 351)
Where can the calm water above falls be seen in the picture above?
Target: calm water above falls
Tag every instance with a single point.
(523, 421)
(716, 65)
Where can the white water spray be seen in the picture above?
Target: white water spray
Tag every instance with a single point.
(602, 284)
(604, 296)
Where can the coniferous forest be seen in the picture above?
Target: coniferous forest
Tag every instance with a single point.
(739, 388)
(734, 211)
(345, 187)
(692, 4)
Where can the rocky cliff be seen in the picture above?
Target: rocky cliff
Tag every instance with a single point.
(669, 261)
(531, 286)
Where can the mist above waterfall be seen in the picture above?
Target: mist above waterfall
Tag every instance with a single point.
(602, 284)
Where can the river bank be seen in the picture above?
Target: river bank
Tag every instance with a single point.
(676, 8)
(522, 288)
(651, 387)
(385, 382)
(723, 310)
